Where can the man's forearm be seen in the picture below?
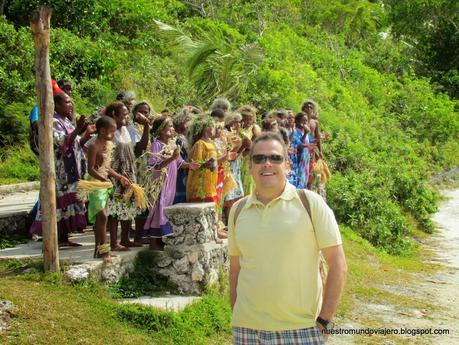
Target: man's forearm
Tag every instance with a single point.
(233, 297)
(233, 278)
(333, 290)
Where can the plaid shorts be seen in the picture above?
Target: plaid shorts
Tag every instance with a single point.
(305, 336)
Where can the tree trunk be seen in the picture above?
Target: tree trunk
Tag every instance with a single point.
(2, 7)
(40, 23)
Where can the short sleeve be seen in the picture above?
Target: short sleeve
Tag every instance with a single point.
(34, 115)
(233, 248)
(325, 225)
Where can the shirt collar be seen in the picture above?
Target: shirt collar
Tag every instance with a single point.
(288, 194)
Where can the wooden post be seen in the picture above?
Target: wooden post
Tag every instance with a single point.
(40, 23)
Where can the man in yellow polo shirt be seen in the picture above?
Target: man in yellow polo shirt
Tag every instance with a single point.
(275, 283)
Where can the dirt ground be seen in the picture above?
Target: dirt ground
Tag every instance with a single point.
(440, 289)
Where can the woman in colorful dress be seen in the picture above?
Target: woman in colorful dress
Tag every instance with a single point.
(166, 161)
(299, 153)
(202, 184)
(70, 165)
(182, 121)
(123, 163)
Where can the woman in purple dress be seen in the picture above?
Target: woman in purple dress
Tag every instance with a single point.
(70, 165)
(165, 161)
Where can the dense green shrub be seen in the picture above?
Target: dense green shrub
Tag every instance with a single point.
(389, 129)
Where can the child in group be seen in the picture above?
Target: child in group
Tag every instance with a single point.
(123, 163)
(99, 159)
(165, 159)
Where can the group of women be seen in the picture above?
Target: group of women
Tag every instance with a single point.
(189, 156)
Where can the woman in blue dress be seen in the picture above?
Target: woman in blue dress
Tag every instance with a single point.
(298, 151)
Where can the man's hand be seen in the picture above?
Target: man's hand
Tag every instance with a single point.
(322, 330)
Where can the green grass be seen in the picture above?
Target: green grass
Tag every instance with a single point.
(18, 165)
(53, 311)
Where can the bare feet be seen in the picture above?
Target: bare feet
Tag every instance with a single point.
(103, 252)
(131, 244)
(107, 257)
(119, 248)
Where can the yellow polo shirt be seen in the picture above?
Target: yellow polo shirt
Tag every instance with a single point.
(279, 285)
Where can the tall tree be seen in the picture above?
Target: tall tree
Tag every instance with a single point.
(40, 23)
(432, 30)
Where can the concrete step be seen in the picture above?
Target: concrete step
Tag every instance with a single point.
(17, 203)
(165, 302)
(82, 265)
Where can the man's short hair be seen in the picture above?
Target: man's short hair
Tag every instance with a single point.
(269, 136)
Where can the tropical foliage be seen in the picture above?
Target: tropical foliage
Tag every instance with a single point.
(383, 73)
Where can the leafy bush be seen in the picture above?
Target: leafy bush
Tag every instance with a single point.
(18, 164)
(14, 124)
(389, 129)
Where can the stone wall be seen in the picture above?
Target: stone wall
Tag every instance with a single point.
(192, 259)
(15, 225)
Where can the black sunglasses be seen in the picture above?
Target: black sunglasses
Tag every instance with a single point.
(262, 159)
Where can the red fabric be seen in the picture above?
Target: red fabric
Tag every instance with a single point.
(56, 89)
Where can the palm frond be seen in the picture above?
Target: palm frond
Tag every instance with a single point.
(199, 56)
(175, 36)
